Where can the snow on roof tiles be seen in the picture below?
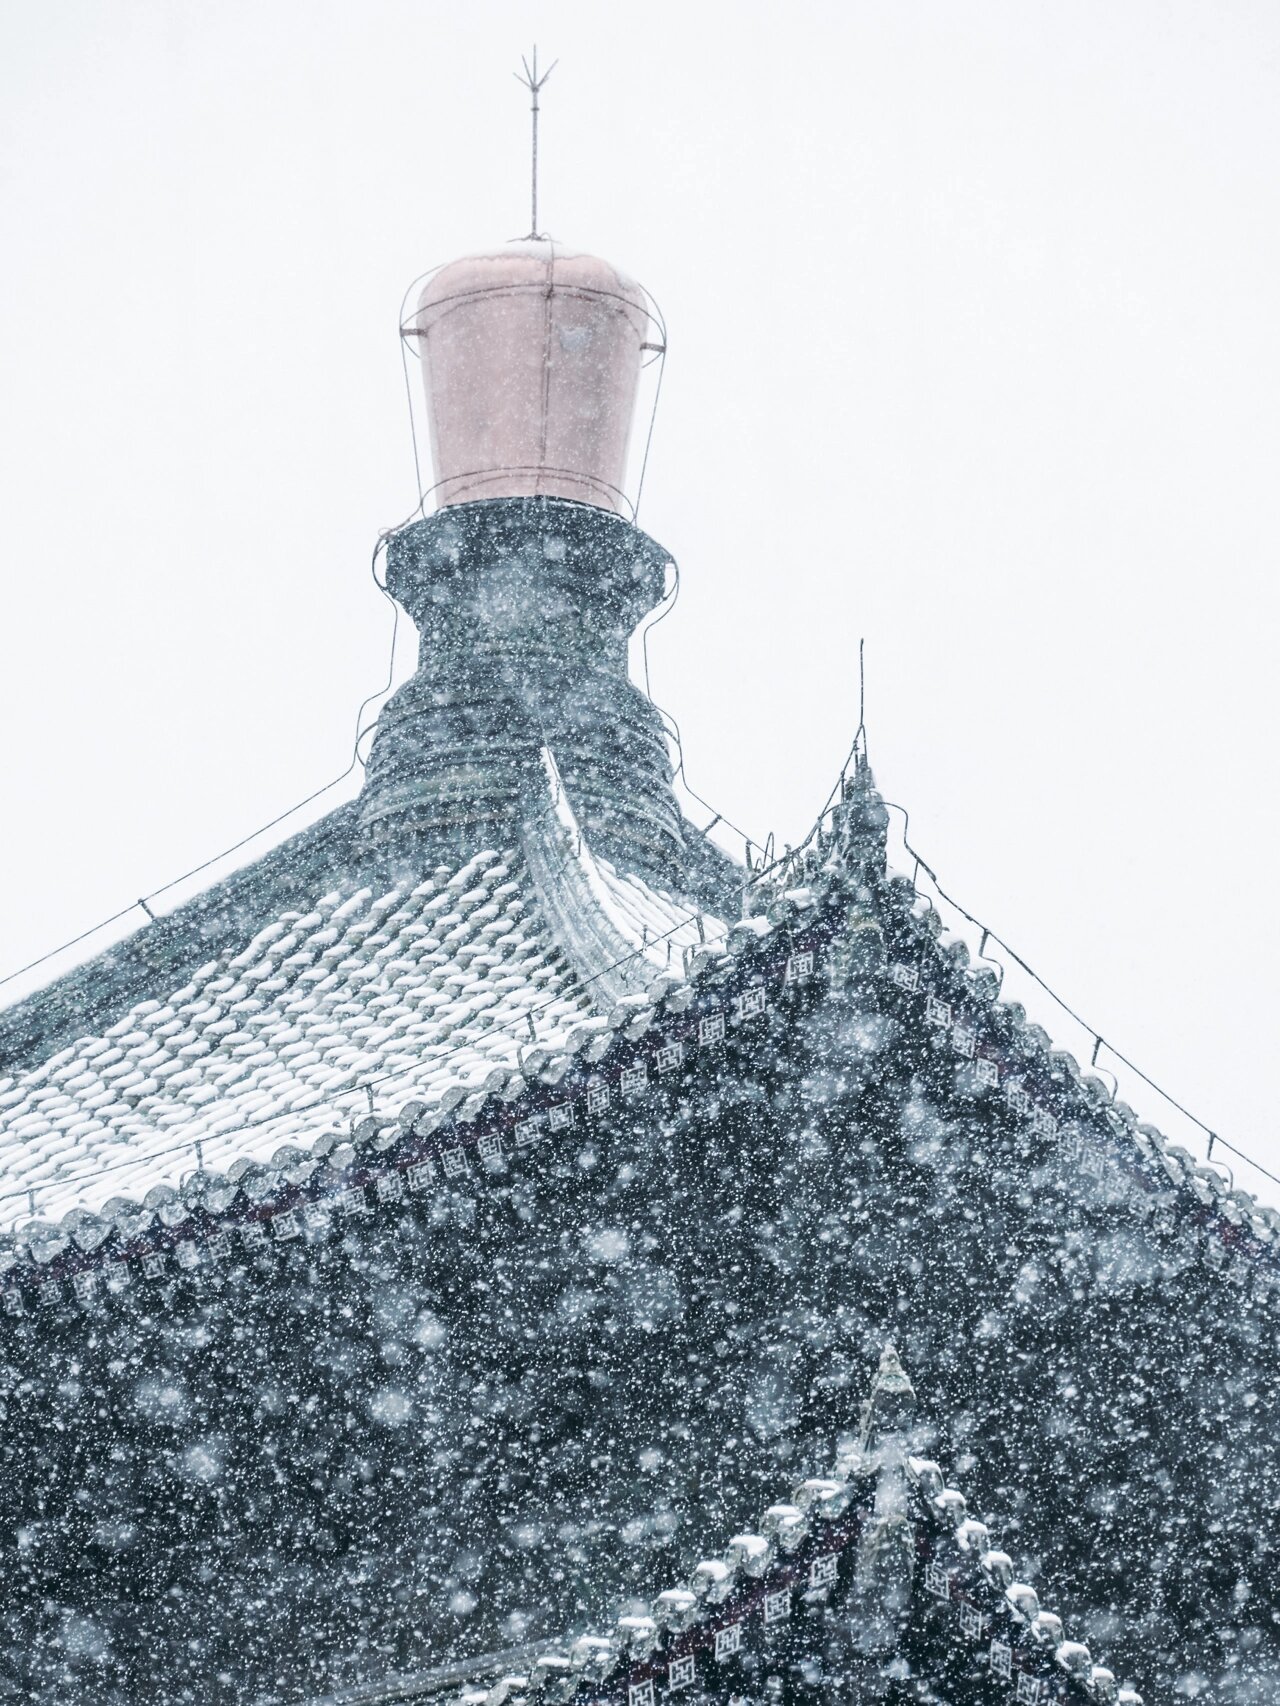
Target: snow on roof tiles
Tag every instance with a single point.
(882, 1541)
(101, 1123)
(356, 1006)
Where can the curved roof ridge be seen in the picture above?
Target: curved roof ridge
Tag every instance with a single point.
(618, 931)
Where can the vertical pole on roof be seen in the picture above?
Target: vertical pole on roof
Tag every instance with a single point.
(861, 734)
(199, 1156)
(533, 83)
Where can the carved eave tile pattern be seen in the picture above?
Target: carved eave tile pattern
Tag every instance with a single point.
(376, 1042)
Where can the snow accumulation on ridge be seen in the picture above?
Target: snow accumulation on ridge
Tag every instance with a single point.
(374, 1016)
(425, 993)
(830, 1541)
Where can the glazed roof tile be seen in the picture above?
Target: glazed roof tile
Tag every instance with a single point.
(578, 938)
(358, 1004)
(950, 1585)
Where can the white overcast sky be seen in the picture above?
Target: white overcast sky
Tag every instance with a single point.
(973, 351)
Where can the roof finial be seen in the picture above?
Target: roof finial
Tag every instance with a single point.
(533, 83)
(860, 738)
(890, 1402)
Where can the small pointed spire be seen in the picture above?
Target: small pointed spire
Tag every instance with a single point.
(861, 821)
(891, 1376)
(881, 1599)
(891, 1401)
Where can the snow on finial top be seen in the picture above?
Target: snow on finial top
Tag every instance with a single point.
(891, 1376)
(890, 1402)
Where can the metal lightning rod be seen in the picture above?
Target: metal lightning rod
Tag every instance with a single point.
(533, 83)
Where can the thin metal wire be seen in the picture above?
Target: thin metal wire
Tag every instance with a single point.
(413, 285)
(655, 314)
(664, 610)
(196, 870)
(1100, 1041)
(659, 614)
(366, 1085)
(74, 942)
(413, 425)
(648, 441)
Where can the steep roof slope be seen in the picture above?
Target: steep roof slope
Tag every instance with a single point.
(350, 1010)
(453, 1383)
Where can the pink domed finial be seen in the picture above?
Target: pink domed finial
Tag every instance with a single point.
(531, 361)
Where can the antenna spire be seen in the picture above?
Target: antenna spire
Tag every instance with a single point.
(860, 739)
(533, 83)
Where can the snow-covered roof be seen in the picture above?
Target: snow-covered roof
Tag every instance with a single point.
(870, 1568)
(374, 1031)
(706, 1151)
(342, 1012)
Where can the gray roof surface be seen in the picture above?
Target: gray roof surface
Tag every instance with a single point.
(837, 1080)
(352, 1002)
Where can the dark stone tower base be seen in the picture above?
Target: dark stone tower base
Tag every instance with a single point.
(524, 607)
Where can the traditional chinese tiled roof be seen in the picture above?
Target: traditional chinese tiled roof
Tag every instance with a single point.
(488, 1194)
(733, 1073)
(871, 1575)
(372, 1016)
(361, 1009)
